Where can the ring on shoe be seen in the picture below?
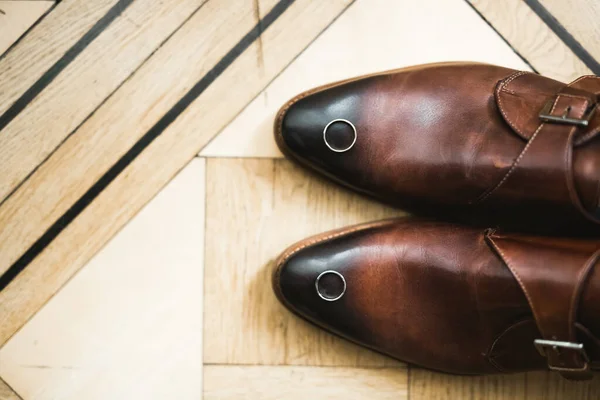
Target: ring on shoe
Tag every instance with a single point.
(332, 148)
(334, 288)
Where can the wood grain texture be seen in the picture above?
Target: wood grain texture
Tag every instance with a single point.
(129, 325)
(84, 84)
(47, 198)
(124, 321)
(300, 383)
(551, 386)
(580, 18)
(429, 385)
(115, 128)
(372, 35)
(262, 207)
(18, 16)
(62, 28)
(532, 38)
(6, 393)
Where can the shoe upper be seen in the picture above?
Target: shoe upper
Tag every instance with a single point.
(461, 141)
(451, 298)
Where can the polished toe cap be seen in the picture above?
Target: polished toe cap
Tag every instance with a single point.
(320, 127)
(320, 279)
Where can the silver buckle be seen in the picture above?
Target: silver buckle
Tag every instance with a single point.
(564, 119)
(544, 345)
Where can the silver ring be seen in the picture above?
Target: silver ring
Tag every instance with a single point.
(325, 135)
(317, 285)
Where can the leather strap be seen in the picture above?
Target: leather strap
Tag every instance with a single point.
(591, 84)
(554, 298)
(521, 96)
(547, 156)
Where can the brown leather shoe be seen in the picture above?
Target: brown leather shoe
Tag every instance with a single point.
(456, 299)
(466, 142)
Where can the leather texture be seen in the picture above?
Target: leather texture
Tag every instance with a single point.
(457, 299)
(459, 141)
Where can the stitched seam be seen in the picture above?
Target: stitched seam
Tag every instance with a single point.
(520, 157)
(573, 194)
(582, 78)
(495, 364)
(519, 280)
(288, 105)
(320, 239)
(562, 369)
(503, 88)
(592, 133)
(573, 96)
(516, 275)
(513, 77)
(491, 356)
(513, 167)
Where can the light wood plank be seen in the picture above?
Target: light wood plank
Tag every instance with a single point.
(45, 199)
(126, 43)
(300, 383)
(372, 35)
(580, 18)
(255, 209)
(6, 393)
(129, 325)
(18, 16)
(122, 41)
(551, 386)
(429, 385)
(60, 30)
(532, 38)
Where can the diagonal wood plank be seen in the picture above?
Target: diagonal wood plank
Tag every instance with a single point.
(246, 214)
(299, 383)
(167, 18)
(532, 38)
(6, 393)
(49, 197)
(84, 84)
(129, 325)
(58, 31)
(372, 35)
(53, 189)
(16, 17)
(580, 20)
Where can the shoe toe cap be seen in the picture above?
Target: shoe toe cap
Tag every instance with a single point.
(318, 127)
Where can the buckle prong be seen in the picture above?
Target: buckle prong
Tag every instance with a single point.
(564, 119)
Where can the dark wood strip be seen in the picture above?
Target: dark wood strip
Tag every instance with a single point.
(21, 103)
(144, 141)
(564, 35)
(522, 57)
(40, 19)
